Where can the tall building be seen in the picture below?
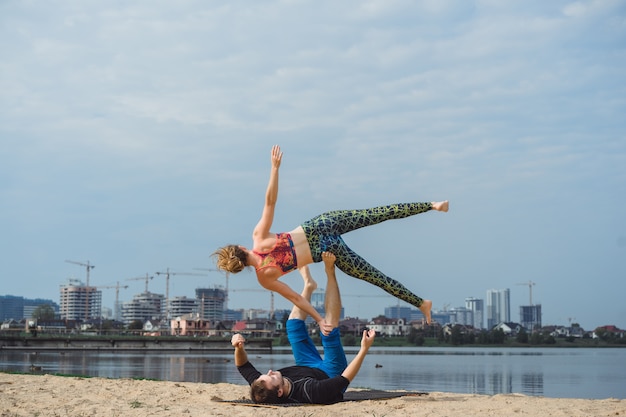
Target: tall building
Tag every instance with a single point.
(530, 317)
(11, 307)
(398, 312)
(17, 308)
(144, 306)
(181, 306)
(318, 299)
(477, 306)
(441, 317)
(212, 302)
(79, 302)
(462, 315)
(498, 307)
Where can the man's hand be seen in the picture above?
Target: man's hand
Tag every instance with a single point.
(353, 367)
(329, 259)
(237, 340)
(368, 338)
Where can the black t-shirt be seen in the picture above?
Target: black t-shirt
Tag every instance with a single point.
(308, 385)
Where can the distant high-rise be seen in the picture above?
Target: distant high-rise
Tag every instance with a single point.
(17, 307)
(212, 302)
(462, 315)
(318, 299)
(477, 306)
(398, 312)
(181, 306)
(498, 307)
(11, 307)
(80, 302)
(530, 317)
(144, 306)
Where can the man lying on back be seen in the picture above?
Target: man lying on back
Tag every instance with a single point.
(313, 379)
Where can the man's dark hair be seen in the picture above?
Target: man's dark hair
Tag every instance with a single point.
(259, 393)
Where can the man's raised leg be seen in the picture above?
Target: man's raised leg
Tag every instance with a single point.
(332, 302)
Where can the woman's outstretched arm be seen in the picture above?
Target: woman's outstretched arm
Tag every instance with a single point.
(264, 225)
(298, 300)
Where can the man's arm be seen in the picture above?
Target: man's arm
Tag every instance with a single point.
(353, 367)
(245, 368)
(241, 356)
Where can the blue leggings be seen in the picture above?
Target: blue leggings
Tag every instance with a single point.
(306, 354)
(324, 234)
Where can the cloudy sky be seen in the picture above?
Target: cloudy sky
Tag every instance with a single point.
(137, 135)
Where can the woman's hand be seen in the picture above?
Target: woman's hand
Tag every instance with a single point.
(277, 156)
(325, 328)
(262, 229)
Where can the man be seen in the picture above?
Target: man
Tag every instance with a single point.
(314, 379)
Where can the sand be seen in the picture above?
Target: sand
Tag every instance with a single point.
(48, 395)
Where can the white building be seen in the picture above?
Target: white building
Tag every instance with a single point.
(211, 303)
(477, 306)
(144, 306)
(498, 307)
(389, 327)
(79, 302)
(181, 306)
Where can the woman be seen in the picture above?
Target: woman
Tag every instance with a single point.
(276, 254)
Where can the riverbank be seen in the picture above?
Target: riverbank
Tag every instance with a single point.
(47, 395)
(137, 343)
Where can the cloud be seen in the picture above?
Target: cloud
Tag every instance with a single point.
(148, 124)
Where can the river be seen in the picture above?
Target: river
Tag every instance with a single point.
(593, 373)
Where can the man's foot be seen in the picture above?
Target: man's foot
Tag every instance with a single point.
(441, 206)
(425, 309)
(329, 259)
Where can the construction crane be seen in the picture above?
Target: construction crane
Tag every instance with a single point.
(261, 290)
(146, 278)
(530, 289)
(117, 297)
(227, 278)
(167, 274)
(89, 267)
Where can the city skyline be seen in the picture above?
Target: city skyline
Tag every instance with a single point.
(501, 295)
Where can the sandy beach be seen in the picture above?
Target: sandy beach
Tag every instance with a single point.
(48, 395)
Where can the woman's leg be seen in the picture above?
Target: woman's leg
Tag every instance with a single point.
(354, 265)
(338, 222)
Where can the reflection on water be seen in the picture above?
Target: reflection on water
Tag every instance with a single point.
(568, 373)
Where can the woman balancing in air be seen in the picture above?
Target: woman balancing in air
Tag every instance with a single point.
(276, 254)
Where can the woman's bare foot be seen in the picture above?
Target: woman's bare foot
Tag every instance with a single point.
(425, 309)
(441, 206)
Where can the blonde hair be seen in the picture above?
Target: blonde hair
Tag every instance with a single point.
(231, 258)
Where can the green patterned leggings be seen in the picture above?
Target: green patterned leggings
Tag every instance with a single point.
(324, 234)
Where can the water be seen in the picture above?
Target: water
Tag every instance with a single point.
(566, 373)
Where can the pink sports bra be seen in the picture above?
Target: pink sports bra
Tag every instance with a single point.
(282, 255)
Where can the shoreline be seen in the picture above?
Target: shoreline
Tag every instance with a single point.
(51, 395)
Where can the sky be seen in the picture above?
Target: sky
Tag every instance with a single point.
(136, 136)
